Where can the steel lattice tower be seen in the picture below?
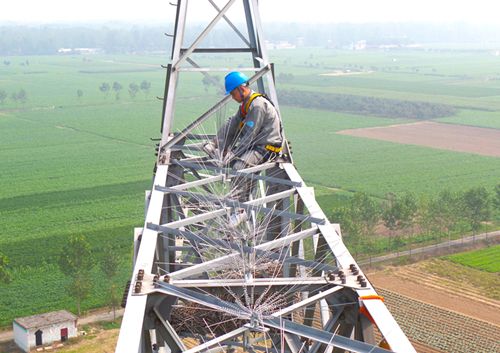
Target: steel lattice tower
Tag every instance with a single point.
(281, 282)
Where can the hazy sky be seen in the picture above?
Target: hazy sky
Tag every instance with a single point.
(48, 11)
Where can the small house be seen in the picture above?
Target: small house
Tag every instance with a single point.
(44, 329)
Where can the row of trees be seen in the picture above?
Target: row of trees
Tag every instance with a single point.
(133, 89)
(444, 213)
(19, 96)
(364, 105)
(77, 261)
(47, 39)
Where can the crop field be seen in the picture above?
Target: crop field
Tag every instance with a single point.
(483, 259)
(74, 164)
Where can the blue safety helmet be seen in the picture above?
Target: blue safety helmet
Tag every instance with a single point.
(233, 80)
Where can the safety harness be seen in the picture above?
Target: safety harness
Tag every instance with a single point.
(244, 107)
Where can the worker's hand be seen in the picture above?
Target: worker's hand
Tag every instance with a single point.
(228, 158)
(210, 149)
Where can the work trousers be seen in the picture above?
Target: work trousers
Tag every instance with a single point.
(242, 187)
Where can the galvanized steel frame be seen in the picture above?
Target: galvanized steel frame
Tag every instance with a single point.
(159, 279)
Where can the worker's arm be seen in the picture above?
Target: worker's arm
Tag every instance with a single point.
(227, 134)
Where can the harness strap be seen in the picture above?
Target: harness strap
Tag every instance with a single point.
(244, 107)
(274, 149)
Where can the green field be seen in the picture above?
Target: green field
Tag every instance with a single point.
(487, 259)
(74, 165)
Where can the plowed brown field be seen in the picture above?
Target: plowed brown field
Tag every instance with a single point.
(439, 313)
(458, 138)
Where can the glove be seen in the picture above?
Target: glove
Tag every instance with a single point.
(210, 149)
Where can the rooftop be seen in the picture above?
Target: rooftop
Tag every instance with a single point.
(46, 319)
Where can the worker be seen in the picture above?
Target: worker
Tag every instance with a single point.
(251, 137)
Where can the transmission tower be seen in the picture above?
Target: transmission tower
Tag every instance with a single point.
(282, 280)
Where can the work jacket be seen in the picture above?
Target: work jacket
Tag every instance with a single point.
(255, 126)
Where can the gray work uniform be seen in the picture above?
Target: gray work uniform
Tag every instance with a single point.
(247, 137)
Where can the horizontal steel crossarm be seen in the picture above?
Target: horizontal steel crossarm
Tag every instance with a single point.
(256, 282)
(253, 205)
(270, 245)
(222, 50)
(246, 173)
(221, 212)
(221, 69)
(217, 340)
(306, 302)
(210, 301)
(322, 336)
(203, 34)
(209, 112)
(227, 171)
(222, 244)
(385, 322)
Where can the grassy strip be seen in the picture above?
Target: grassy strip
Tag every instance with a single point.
(487, 259)
(487, 283)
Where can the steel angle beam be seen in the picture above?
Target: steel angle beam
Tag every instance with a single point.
(131, 331)
(258, 168)
(306, 302)
(209, 301)
(230, 23)
(205, 69)
(330, 324)
(218, 340)
(379, 312)
(249, 173)
(268, 246)
(252, 205)
(282, 257)
(324, 337)
(277, 323)
(255, 282)
(204, 33)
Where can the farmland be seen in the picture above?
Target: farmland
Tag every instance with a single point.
(80, 165)
(483, 259)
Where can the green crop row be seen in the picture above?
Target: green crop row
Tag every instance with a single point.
(486, 259)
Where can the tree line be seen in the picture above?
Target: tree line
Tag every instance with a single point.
(133, 89)
(445, 213)
(18, 96)
(364, 105)
(127, 38)
(76, 260)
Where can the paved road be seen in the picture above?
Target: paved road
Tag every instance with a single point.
(101, 315)
(431, 248)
